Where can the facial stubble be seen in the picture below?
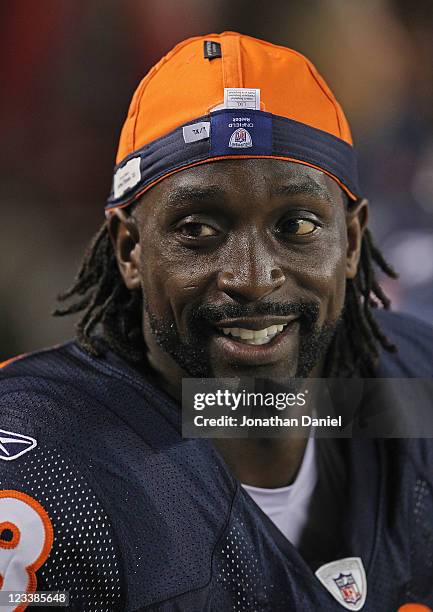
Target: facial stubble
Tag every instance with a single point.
(192, 353)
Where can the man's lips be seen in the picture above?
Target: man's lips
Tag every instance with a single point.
(256, 347)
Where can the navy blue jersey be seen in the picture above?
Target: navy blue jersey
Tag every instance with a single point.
(130, 516)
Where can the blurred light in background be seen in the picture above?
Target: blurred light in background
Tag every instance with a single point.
(70, 68)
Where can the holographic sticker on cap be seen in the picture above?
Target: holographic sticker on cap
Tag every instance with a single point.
(240, 139)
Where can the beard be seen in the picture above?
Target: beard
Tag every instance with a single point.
(192, 353)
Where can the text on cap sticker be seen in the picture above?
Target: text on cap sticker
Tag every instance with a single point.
(127, 177)
(196, 131)
(241, 98)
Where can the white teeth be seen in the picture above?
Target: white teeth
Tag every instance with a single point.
(254, 336)
(261, 341)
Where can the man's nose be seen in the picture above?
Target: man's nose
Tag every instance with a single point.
(250, 276)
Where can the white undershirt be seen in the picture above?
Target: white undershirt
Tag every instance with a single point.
(287, 507)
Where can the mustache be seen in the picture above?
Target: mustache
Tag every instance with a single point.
(307, 311)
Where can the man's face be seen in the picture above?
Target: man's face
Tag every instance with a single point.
(243, 268)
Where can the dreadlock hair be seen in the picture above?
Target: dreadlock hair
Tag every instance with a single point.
(99, 292)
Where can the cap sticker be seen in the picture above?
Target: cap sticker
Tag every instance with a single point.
(241, 98)
(345, 579)
(247, 133)
(196, 131)
(240, 139)
(212, 49)
(126, 177)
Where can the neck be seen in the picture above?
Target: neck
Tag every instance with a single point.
(259, 462)
(266, 462)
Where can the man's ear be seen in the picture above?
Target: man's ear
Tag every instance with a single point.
(126, 243)
(356, 221)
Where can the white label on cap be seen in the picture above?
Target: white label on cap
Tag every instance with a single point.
(196, 131)
(241, 97)
(127, 177)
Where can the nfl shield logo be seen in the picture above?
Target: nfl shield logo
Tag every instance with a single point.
(240, 139)
(346, 581)
(348, 588)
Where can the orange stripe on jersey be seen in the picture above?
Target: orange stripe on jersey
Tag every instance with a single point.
(3, 364)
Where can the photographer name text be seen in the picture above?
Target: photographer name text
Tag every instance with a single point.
(273, 421)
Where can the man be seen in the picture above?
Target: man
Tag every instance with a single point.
(235, 245)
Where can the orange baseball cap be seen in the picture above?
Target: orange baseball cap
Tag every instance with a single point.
(229, 96)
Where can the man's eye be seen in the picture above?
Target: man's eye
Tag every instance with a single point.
(297, 227)
(197, 230)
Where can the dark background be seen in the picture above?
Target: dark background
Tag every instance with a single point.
(69, 68)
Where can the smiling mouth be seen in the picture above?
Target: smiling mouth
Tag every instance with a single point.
(254, 337)
(256, 341)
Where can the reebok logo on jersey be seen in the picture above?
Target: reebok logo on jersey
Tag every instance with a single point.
(13, 445)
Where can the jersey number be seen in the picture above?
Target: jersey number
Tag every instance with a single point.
(26, 538)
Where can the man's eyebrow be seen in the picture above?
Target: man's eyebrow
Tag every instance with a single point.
(309, 188)
(187, 194)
